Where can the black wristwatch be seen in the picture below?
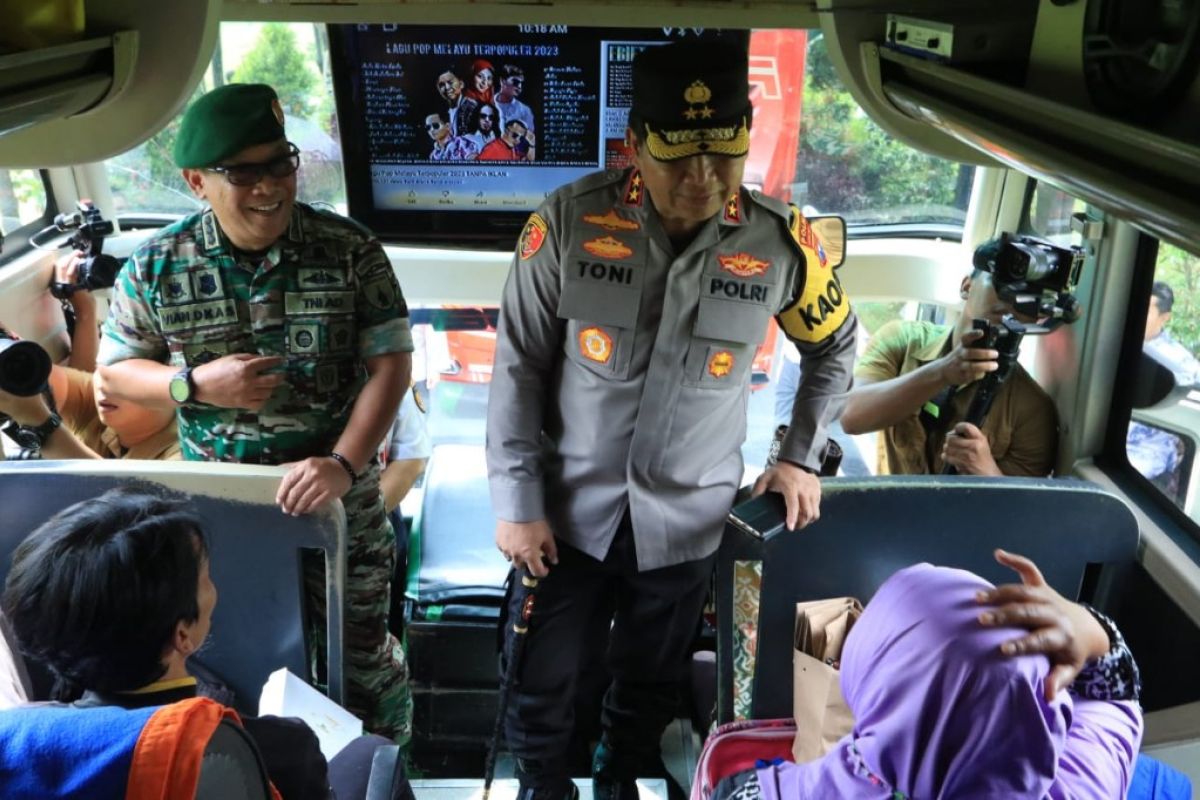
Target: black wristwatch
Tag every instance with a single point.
(182, 386)
(32, 437)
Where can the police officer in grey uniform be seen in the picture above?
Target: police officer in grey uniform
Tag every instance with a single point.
(618, 401)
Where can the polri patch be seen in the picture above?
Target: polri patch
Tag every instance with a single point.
(532, 237)
(608, 247)
(720, 364)
(596, 345)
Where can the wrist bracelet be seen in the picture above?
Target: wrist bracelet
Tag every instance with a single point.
(345, 462)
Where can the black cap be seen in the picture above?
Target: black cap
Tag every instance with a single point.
(692, 98)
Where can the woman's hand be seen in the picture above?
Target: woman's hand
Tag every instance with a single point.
(1065, 631)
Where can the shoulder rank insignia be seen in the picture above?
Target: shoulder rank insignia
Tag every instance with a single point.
(532, 237)
(634, 190)
(608, 247)
(595, 345)
(733, 209)
(611, 221)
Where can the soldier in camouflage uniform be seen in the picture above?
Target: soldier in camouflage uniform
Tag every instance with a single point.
(281, 335)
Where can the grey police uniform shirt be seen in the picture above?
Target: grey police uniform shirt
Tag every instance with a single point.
(622, 371)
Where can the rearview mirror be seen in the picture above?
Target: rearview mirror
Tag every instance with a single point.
(832, 233)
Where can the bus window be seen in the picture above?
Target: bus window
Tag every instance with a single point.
(291, 57)
(22, 198)
(1162, 440)
(848, 165)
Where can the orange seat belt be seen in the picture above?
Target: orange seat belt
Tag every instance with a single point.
(169, 752)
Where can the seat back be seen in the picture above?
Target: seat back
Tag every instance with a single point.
(259, 624)
(452, 557)
(871, 528)
(193, 748)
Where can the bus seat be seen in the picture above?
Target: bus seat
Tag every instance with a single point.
(193, 748)
(254, 549)
(455, 590)
(870, 528)
(452, 550)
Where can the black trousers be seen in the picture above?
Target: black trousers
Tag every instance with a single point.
(656, 615)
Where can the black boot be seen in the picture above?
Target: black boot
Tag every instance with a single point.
(539, 781)
(612, 778)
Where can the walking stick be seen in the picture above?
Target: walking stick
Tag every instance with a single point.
(527, 591)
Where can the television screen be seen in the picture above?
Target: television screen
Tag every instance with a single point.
(453, 135)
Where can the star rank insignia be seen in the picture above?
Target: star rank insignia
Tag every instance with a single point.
(733, 209)
(697, 95)
(633, 189)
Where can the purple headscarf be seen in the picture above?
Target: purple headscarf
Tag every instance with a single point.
(941, 713)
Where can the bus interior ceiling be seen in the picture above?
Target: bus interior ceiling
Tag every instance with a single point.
(1019, 94)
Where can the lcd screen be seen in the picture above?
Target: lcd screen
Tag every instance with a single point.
(452, 135)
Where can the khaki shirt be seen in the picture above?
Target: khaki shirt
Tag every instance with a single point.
(1022, 426)
(79, 414)
(323, 296)
(622, 370)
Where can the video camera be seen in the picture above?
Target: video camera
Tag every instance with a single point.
(24, 366)
(1035, 276)
(97, 271)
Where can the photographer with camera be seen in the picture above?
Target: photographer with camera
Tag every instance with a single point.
(916, 381)
(83, 421)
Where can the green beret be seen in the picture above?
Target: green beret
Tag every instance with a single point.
(226, 121)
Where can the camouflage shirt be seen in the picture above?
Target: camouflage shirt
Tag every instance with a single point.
(324, 297)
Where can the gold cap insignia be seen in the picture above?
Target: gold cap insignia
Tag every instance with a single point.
(697, 95)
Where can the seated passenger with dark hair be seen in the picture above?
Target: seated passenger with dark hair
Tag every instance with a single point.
(915, 383)
(960, 689)
(113, 595)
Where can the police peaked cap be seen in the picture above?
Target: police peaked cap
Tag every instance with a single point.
(226, 121)
(692, 98)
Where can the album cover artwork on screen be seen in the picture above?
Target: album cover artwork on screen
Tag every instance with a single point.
(487, 119)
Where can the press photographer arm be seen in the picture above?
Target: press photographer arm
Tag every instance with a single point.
(33, 413)
(874, 404)
(85, 339)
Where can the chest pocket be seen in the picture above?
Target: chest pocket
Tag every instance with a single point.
(200, 316)
(599, 300)
(731, 320)
(320, 333)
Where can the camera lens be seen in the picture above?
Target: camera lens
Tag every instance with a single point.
(24, 367)
(99, 272)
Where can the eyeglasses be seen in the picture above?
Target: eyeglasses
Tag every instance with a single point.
(251, 173)
(486, 116)
(433, 126)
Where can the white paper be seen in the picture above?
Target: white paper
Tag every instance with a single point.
(285, 695)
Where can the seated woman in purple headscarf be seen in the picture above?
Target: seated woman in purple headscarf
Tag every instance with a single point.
(964, 690)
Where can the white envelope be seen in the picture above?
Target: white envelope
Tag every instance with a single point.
(285, 695)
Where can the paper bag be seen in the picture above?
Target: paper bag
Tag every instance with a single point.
(822, 716)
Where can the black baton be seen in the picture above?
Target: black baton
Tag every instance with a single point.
(526, 590)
